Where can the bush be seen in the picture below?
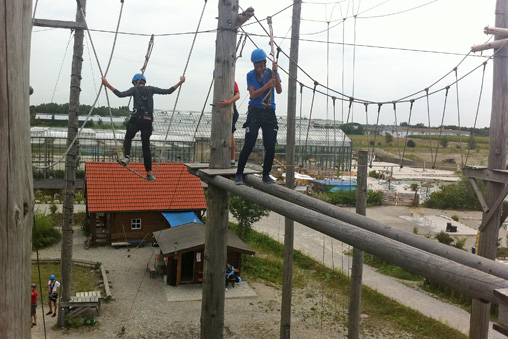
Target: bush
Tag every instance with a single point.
(457, 196)
(455, 217)
(411, 143)
(44, 232)
(53, 208)
(444, 238)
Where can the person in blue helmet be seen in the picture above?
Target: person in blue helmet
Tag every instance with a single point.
(141, 118)
(262, 84)
(53, 287)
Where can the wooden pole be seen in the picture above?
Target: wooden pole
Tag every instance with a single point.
(215, 252)
(502, 32)
(480, 312)
(355, 296)
(16, 196)
(287, 279)
(489, 45)
(463, 279)
(70, 165)
(482, 264)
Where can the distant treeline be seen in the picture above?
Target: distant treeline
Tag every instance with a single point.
(122, 111)
(359, 129)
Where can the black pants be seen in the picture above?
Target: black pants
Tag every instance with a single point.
(265, 119)
(134, 126)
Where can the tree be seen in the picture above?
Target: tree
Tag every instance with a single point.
(471, 144)
(414, 188)
(403, 124)
(247, 213)
(411, 143)
(388, 138)
(443, 141)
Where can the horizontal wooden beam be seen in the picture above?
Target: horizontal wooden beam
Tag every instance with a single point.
(486, 174)
(489, 45)
(58, 24)
(477, 262)
(466, 280)
(496, 31)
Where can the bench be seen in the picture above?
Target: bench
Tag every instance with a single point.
(81, 302)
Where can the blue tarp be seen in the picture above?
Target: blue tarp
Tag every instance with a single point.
(180, 218)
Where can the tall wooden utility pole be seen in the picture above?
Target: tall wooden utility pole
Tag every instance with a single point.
(215, 256)
(287, 279)
(480, 312)
(16, 196)
(355, 297)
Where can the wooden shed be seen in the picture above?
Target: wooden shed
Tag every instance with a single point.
(181, 251)
(123, 208)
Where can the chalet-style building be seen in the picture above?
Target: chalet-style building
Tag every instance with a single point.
(181, 253)
(123, 208)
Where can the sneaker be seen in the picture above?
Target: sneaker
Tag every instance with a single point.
(54, 315)
(226, 289)
(233, 164)
(239, 178)
(50, 312)
(268, 179)
(150, 177)
(124, 161)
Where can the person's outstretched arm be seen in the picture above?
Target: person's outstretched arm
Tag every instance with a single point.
(107, 84)
(182, 80)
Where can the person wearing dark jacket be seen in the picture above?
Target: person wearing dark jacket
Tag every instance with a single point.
(141, 118)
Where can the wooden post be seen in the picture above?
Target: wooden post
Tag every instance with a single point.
(16, 196)
(480, 311)
(70, 165)
(287, 279)
(214, 272)
(355, 296)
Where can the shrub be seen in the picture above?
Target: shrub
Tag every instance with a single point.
(411, 143)
(53, 208)
(460, 243)
(444, 238)
(455, 217)
(43, 232)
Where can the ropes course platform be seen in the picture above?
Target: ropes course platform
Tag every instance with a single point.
(82, 302)
(226, 172)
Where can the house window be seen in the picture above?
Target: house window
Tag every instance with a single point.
(135, 224)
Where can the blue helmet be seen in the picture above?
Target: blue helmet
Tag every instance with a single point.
(137, 77)
(52, 277)
(258, 55)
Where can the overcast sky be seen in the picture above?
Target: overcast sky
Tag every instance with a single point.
(392, 49)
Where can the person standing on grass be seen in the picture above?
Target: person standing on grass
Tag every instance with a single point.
(33, 309)
(141, 118)
(262, 84)
(226, 103)
(53, 286)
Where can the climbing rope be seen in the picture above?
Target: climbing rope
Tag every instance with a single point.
(143, 69)
(397, 133)
(429, 127)
(180, 88)
(477, 111)
(61, 65)
(375, 134)
(407, 133)
(310, 119)
(442, 127)
(458, 117)
(71, 144)
(204, 106)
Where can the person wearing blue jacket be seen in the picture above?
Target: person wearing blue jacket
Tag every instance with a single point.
(262, 83)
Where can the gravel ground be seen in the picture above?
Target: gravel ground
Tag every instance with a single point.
(140, 304)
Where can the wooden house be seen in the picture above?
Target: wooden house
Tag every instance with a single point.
(181, 252)
(124, 208)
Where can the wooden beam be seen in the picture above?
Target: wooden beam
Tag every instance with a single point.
(463, 279)
(485, 265)
(489, 45)
(59, 24)
(494, 208)
(496, 31)
(486, 174)
(479, 194)
(16, 197)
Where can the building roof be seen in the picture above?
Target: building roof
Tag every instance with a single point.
(192, 236)
(111, 187)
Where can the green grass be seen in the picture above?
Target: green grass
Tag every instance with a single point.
(83, 279)
(267, 266)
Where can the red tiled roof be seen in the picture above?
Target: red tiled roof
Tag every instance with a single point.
(111, 187)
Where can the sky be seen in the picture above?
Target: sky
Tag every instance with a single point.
(374, 50)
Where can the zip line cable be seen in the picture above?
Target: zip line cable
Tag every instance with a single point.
(397, 132)
(180, 87)
(61, 65)
(98, 94)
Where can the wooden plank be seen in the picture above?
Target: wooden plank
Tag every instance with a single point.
(16, 204)
(59, 24)
(106, 283)
(487, 174)
(496, 30)
(198, 165)
(489, 45)
(227, 171)
(494, 210)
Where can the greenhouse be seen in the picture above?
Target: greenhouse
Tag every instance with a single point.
(320, 145)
